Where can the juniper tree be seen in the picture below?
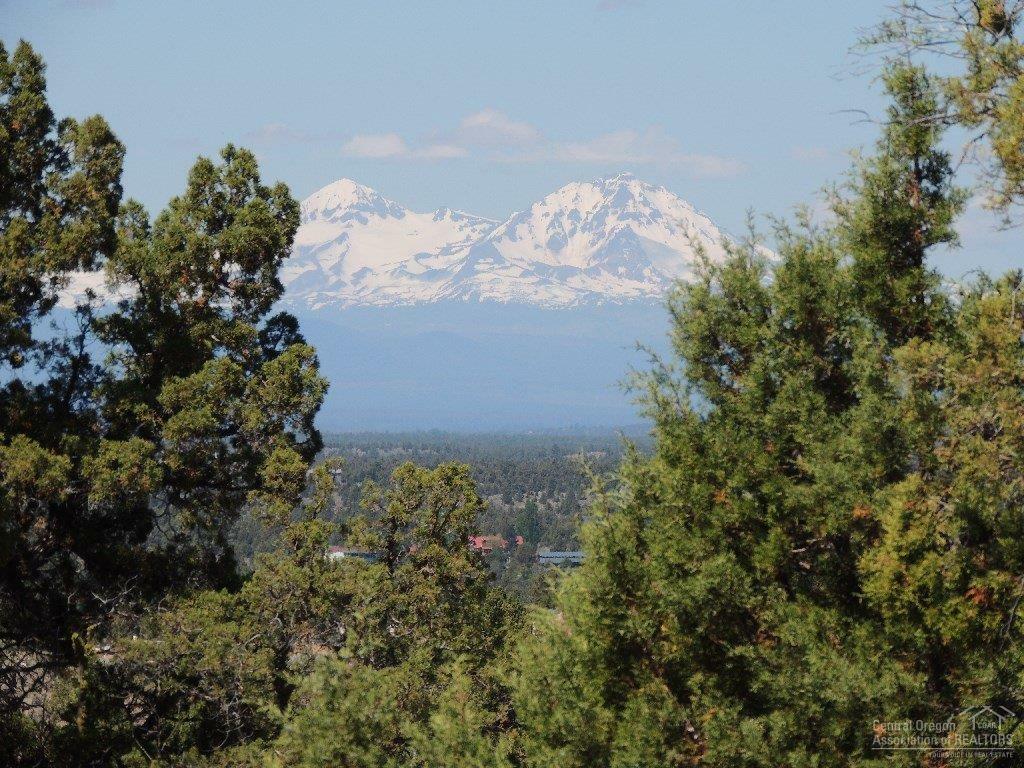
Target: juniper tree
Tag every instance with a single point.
(120, 470)
(720, 618)
(979, 58)
(415, 684)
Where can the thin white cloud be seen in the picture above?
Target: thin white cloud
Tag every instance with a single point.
(279, 133)
(493, 128)
(375, 146)
(649, 147)
(492, 135)
(383, 146)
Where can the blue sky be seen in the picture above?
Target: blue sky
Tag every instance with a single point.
(481, 106)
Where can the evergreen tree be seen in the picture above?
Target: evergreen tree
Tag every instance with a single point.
(720, 618)
(430, 596)
(60, 187)
(979, 70)
(207, 676)
(414, 685)
(943, 573)
(889, 241)
(120, 476)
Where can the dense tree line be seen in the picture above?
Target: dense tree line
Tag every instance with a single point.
(509, 466)
(536, 485)
(826, 538)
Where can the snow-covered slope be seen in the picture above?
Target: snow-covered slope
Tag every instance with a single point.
(612, 240)
(355, 247)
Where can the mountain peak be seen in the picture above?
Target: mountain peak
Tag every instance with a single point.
(615, 239)
(619, 178)
(347, 195)
(343, 190)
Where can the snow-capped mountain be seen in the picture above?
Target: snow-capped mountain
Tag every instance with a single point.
(356, 247)
(617, 239)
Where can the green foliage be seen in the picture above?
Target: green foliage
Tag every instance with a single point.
(826, 537)
(533, 486)
(945, 572)
(823, 537)
(888, 241)
(211, 673)
(121, 476)
(351, 717)
(413, 684)
(983, 90)
(429, 596)
(60, 186)
(312, 661)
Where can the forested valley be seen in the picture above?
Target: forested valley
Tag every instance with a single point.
(536, 486)
(822, 538)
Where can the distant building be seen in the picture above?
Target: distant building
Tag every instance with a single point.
(487, 543)
(571, 558)
(344, 553)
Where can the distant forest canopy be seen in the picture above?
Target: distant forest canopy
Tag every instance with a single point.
(537, 485)
(506, 465)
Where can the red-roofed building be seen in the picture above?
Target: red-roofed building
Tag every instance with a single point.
(487, 543)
